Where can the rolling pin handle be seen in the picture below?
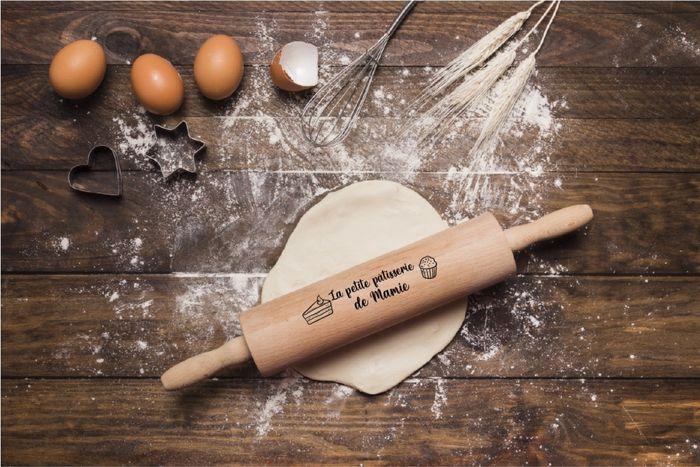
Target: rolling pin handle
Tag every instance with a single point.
(202, 366)
(549, 226)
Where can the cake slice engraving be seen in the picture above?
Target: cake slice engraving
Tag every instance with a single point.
(318, 310)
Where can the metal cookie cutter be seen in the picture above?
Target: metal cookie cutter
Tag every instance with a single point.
(175, 149)
(88, 170)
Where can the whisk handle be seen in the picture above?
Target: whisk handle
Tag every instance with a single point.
(401, 16)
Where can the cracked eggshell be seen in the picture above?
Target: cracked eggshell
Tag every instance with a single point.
(295, 67)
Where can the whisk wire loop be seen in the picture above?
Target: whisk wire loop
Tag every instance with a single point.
(340, 100)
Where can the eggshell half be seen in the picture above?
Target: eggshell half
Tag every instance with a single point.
(218, 67)
(295, 67)
(77, 70)
(157, 84)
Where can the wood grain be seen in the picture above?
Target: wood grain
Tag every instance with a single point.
(580, 145)
(530, 326)
(362, 6)
(477, 422)
(599, 93)
(617, 302)
(629, 235)
(576, 39)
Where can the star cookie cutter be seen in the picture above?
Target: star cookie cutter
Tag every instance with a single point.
(88, 167)
(175, 149)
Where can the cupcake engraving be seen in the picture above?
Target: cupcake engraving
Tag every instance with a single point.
(428, 267)
(318, 310)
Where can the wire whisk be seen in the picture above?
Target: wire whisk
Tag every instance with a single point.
(330, 114)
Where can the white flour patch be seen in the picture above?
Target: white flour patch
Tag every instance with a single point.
(211, 305)
(489, 354)
(509, 327)
(126, 251)
(62, 244)
(328, 50)
(275, 403)
(273, 406)
(134, 135)
(440, 398)
(265, 34)
(383, 100)
(340, 392)
(679, 38)
(444, 359)
(336, 400)
(320, 24)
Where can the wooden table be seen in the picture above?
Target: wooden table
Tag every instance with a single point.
(591, 355)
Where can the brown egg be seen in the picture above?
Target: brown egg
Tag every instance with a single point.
(218, 67)
(78, 69)
(157, 84)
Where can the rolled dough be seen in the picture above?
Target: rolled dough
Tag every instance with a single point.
(347, 227)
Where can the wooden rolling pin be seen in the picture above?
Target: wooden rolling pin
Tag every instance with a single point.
(377, 294)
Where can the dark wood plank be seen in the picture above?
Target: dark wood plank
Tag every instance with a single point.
(426, 38)
(598, 93)
(288, 422)
(267, 143)
(214, 223)
(533, 326)
(624, 77)
(627, 7)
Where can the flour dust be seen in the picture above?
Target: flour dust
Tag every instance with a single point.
(221, 227)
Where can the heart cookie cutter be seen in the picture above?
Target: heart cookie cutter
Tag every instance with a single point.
(95, 152)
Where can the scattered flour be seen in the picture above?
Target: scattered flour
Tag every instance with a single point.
(275, 403)
(273, 406)
(267, 162)
(680, 38)
(489, 354)
(265, 34)
(340, 393)
(336, 400)
(444, 359)
(476, 185)
(134, 136)
(440, 398)
(210, 304)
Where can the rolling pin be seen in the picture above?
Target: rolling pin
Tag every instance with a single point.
(376, 294)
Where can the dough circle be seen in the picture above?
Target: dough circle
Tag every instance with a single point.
(347, 227)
